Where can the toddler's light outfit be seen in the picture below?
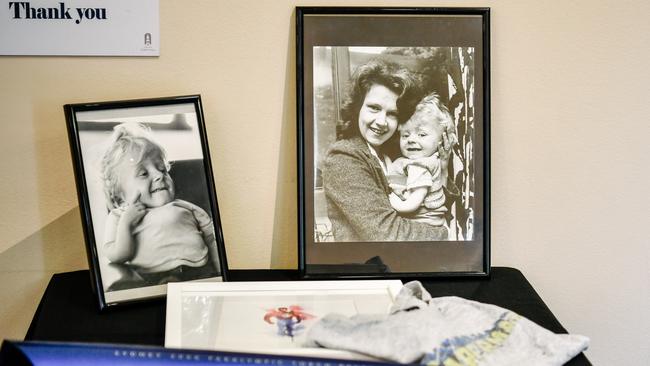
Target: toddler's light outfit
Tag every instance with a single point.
(408, 174)
(167, 237)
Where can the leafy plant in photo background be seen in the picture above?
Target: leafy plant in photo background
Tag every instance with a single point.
(461, 105)
(449, 71)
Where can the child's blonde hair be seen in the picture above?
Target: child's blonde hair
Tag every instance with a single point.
(431, 110)
(128, 140)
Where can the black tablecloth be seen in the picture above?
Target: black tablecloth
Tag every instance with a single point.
(68, 310)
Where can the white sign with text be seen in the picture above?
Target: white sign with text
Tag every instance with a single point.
(80, 28)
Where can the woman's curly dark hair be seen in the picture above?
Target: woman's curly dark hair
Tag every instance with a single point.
(397, 78)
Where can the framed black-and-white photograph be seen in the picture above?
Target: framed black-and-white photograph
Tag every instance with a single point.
(393, 141)
(146, 196)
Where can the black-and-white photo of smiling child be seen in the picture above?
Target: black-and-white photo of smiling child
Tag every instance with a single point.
(417, 178)
(162, 238)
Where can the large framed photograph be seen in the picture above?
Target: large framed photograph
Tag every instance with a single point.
(393, 141)
(146, 195)
(268, 317)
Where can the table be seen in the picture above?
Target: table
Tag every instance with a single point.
(68, 310)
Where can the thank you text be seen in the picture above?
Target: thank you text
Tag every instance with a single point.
(25, 10)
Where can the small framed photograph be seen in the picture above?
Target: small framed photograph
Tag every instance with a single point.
(146, 195)
(393, 141)
(267, 317)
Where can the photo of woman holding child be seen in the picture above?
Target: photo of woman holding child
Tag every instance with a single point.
(149, 197)
(395, 167)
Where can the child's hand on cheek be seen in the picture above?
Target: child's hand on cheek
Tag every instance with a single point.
(134, 211)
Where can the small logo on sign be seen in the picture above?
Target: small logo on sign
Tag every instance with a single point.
(147, 39)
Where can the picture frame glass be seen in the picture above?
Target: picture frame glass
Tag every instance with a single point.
(267, 317)
(393, 103)
(146, 195)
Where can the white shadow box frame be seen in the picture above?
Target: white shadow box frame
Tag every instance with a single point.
(267, 317)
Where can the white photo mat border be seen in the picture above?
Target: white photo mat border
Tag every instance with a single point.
(176, 291)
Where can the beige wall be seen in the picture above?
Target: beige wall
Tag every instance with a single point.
(570, 91)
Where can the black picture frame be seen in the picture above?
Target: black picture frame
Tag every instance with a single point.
(171, 156)
(344, 226)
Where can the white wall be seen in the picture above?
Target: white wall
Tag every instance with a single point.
(570, 91)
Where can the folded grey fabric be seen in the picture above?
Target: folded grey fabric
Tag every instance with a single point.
(448, 331)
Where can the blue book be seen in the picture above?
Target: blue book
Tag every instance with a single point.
(73, 354)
